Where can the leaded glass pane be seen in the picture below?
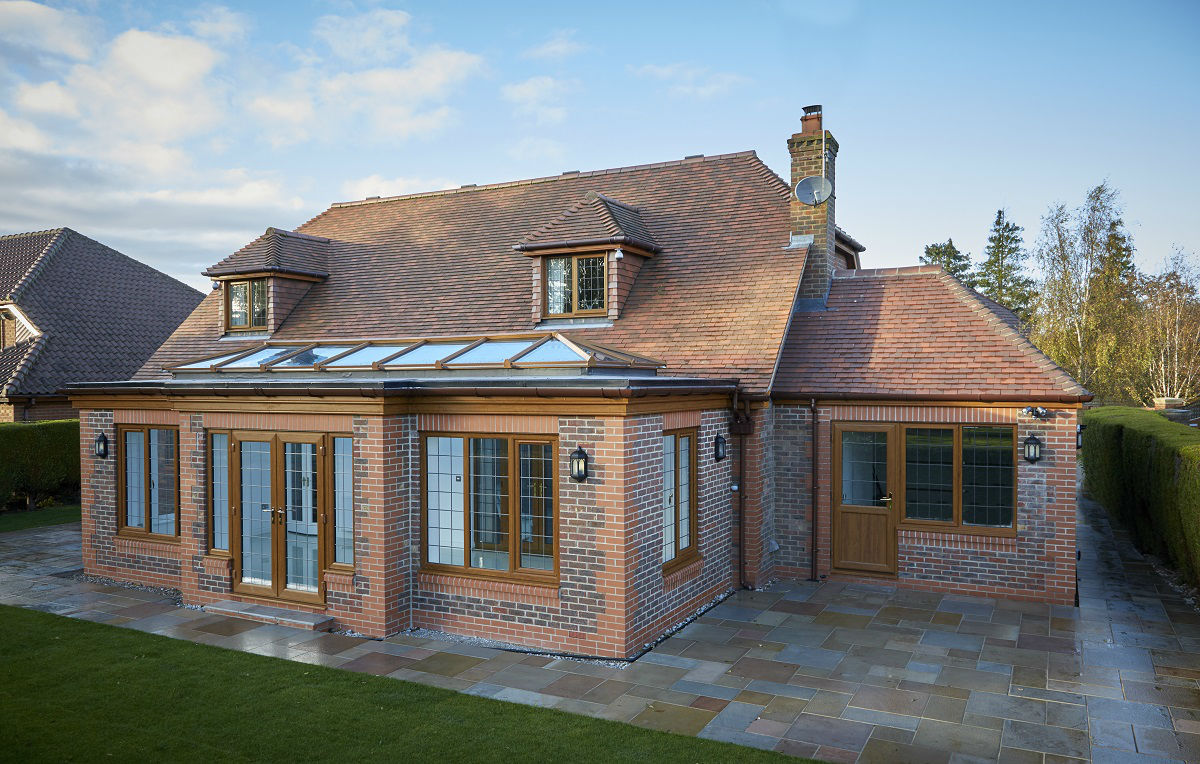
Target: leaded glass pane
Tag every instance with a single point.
(239, 304)
(537, 505)
(591, 283)
(258, 303)
(668, 498)
(988, 475)
(929, 474)
(558, 285)
(864, 468)
(300, 509)
(163, 473)
(343, 500)
(489, 503)
(256, 512)
(685, 491)
(219, 489)
(135, 479)
(444, 500)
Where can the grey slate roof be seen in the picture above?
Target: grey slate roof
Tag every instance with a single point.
(100, 314)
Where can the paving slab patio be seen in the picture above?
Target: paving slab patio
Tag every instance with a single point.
(835, 671)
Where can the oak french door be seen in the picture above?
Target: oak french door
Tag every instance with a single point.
(278, 508)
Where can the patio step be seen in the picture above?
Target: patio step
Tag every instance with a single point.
(266, 614)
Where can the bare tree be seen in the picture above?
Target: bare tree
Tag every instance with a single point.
(1170, 329)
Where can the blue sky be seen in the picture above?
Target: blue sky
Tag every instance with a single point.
(176, 132)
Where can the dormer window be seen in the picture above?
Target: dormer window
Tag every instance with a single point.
(576, 285)
(246, 305)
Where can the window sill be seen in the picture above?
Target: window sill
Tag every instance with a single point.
(459, 585)
(156, 538)
(680, 562)
(521, 579)
(683, 573)
(958, 530)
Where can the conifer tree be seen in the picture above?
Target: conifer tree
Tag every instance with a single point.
(957, 264)
(1001, 275)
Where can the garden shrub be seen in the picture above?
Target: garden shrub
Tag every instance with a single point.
(38, 460)
(1145, 470)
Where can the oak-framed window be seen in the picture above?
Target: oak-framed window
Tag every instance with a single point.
(148, 481)
(961, 477)
(490, 505)
(575, 285)
(246, 304)
(680, 535)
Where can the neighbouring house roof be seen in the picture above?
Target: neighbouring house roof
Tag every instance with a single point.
(713, 302)
(277, 251)
(98, 314)
(593, 220)
(915, 333)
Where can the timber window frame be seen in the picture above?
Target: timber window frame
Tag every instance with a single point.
(955, 522)
(680, 497)
(254, 315)
(573, 278)
(146, 484)
(458, 497)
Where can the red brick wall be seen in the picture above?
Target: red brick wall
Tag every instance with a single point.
(40, 411)
(612, 596)
(151, 563)
(1039, 563)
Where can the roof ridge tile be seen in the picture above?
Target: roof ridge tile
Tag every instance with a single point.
(543, 179)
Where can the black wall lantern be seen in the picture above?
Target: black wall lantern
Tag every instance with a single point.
(100, 446)
(720, 448)
(1079, 435)
(1033, 449)
(579, 464)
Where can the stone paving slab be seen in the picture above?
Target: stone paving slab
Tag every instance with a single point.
(838, 672)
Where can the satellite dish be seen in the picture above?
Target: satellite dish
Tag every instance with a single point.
(813, 190)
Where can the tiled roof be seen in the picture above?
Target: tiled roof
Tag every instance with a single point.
(277, 251)
(713, 302)
(592, 220)
(14, 361)
(20, 254)
(100, 314)
(915, 332)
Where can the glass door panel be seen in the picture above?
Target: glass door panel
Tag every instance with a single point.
(303, 560)
(257, 513)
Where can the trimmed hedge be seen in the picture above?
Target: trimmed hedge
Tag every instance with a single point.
(38, 460)
(1145, 470)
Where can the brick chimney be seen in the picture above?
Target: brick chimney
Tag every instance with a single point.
(817, 222)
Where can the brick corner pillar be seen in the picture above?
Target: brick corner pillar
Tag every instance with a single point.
(193, 501)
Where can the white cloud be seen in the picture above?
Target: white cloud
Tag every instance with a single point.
(561, 44)
(21, 135)
(690, 81)
(376, 36)
(397, 102)
(286, 119)
(44, 29)
(538, 98)
(220, 24)
(47, 98)
(534, 149)
(377, 185)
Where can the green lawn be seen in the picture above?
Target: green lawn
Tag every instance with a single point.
(17, 521)
(79, 691)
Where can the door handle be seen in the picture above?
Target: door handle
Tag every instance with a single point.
(886, 498)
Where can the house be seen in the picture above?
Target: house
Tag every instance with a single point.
(73, 310)
(571, 412)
